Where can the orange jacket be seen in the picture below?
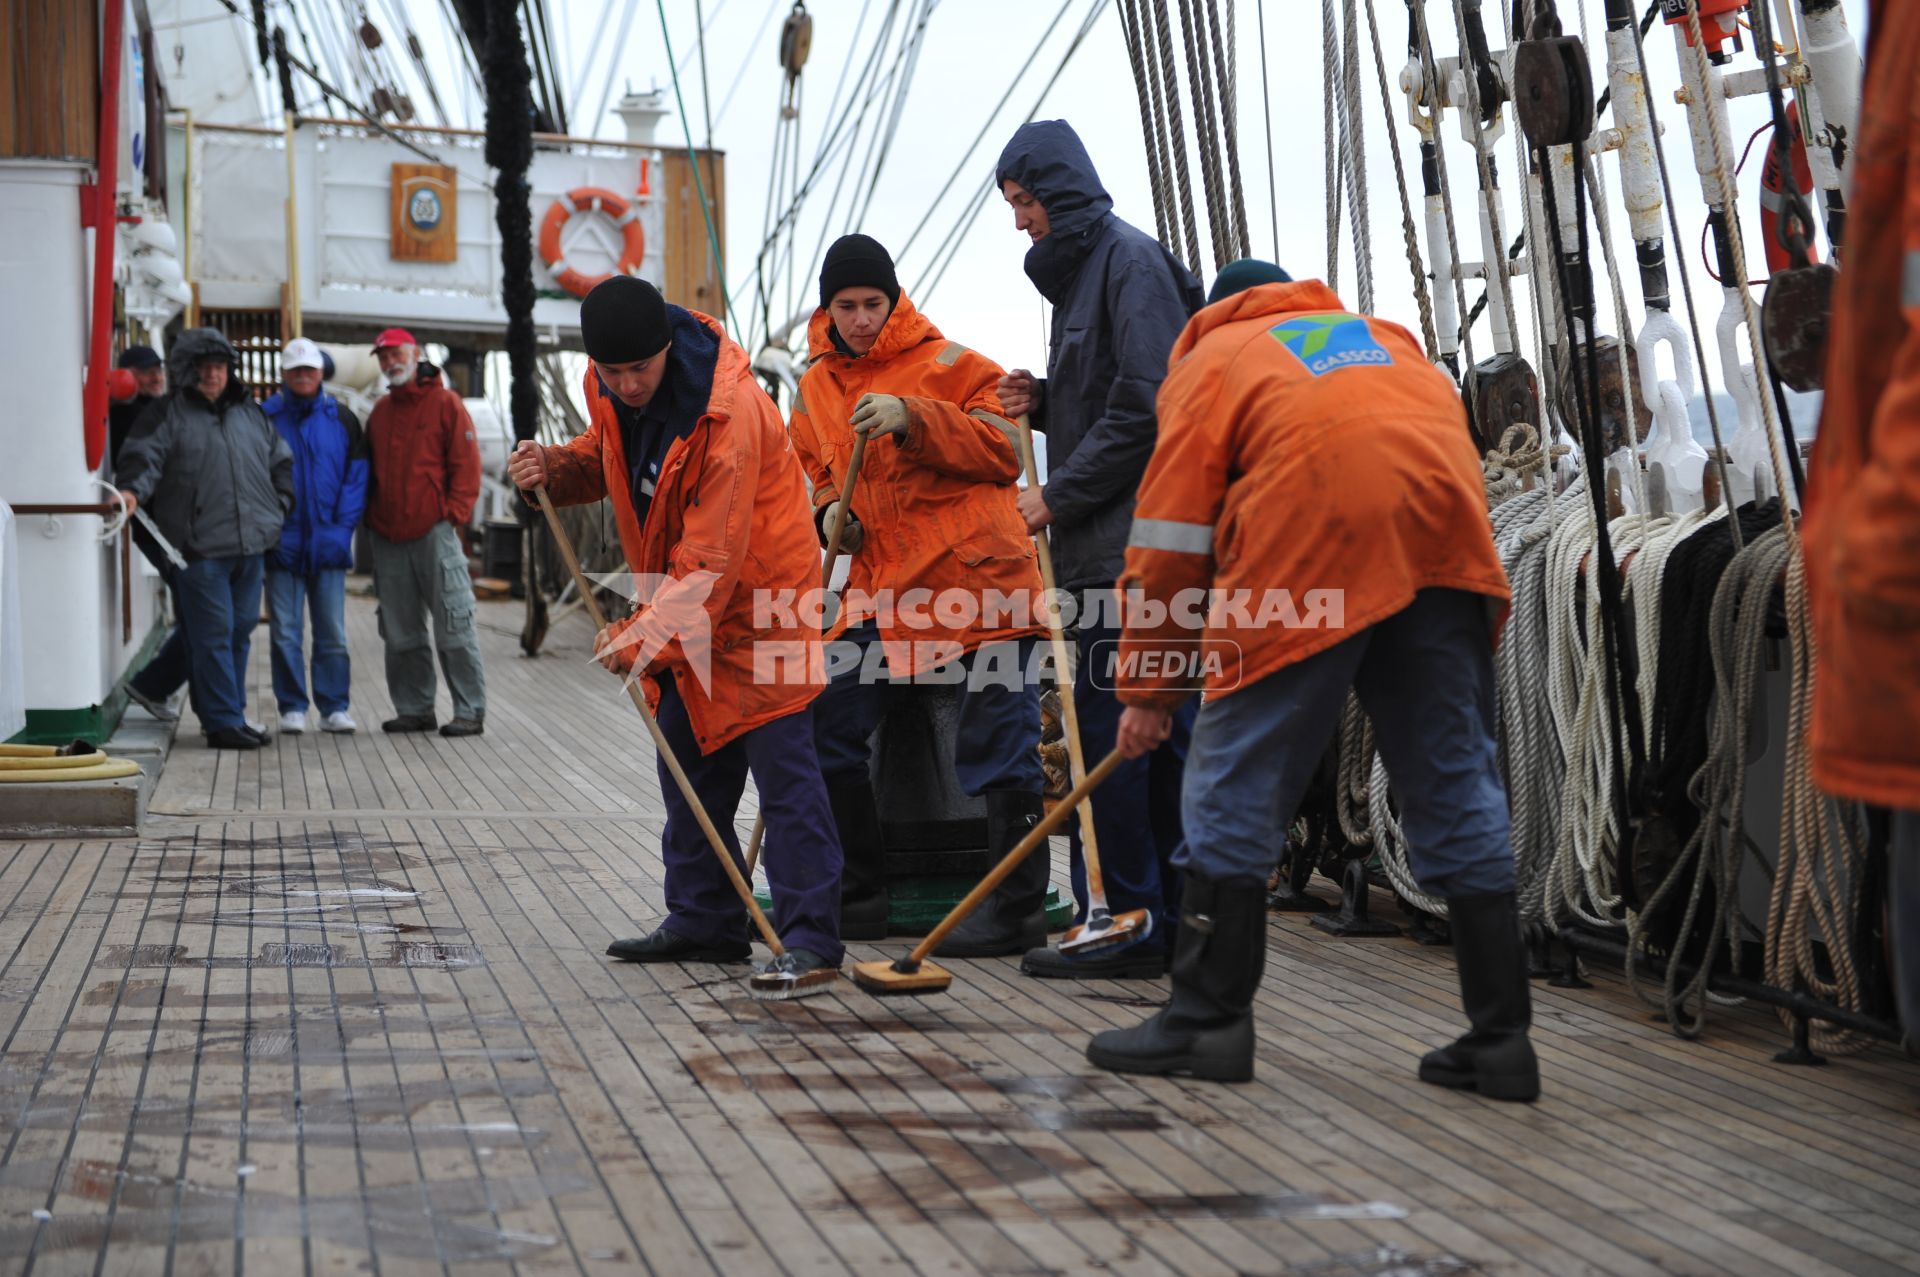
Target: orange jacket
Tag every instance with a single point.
(728, 529)
(1314, 471)
(1862, 528)
(936, 503)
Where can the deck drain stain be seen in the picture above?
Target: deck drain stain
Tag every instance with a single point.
(419, 954)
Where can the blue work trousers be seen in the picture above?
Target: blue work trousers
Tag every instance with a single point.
(996, 741)
(1137, 812)
(1425, 678)
(219, 606)
(290, 595)
(802, 857)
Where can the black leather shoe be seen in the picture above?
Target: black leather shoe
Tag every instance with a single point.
(464, 727)
(260, 734)
(865, 904)
(410, 723)
(1136, 963)
(1014, 918)
(233, 738)
(662, 945)
(1206, 1028)
(1495, 1057)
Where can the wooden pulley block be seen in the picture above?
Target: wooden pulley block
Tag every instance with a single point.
(1553, 90)
(1793, 320)
(796, 39)
(1621, 401)
(1500, 392)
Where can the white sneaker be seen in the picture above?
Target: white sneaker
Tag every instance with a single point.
(293, 722)
(338, 721)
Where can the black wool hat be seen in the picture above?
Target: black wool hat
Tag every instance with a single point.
(858, 261)
(138, 357)
(624, 320)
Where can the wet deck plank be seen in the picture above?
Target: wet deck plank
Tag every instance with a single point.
(343, 1008)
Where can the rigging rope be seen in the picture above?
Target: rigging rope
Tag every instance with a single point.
(1409, 232)
(1266, 122)
(1156, 180)
(1170, 90)
(1354, 151)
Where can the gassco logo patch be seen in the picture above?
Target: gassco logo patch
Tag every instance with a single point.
(1328, 343)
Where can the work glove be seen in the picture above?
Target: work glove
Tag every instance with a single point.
(877, 415)
(852, 537)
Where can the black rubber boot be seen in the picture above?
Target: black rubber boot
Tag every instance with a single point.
(1494, 1057)
(864, 902)
(1014, 917)
(1206, 1028)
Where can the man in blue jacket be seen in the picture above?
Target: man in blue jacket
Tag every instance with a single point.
(308, 569)
(1119, 301)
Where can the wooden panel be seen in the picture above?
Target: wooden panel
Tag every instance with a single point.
(424, 217)
(692, 278)
(49, 79)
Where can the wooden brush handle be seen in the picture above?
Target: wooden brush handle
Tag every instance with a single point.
(1008, 863)
(1069, 716)
(639, 697)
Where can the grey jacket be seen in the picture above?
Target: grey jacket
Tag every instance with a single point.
(1119, 301)
(216, 477)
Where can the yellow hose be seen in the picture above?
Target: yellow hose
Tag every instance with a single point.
(28, 764)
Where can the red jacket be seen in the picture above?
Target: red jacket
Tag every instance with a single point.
(936, 503)
(1311, 464)
(425, 464)
(731, 535)
(1862, 527)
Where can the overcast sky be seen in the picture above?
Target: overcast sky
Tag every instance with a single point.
(972, 51)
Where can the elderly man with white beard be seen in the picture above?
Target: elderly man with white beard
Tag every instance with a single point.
(425, 480)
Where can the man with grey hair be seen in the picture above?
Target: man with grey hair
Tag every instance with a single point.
(425, 480)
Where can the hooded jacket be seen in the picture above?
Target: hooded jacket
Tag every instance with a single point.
(1862, 525)
(216, 477)
(1119, 301)
(726, 551)
(1315, 472)
(937, 502)
(425, 462)
(329, 479)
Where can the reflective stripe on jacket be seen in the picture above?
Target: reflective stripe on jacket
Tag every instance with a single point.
(1314, 472)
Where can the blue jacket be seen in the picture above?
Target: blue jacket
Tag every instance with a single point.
(329, 482)
(1119, 302)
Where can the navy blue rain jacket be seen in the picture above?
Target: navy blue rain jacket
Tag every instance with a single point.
(1119, 302)
(329, 482)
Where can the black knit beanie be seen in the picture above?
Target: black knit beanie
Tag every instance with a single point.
(624, 320)
(857, 261)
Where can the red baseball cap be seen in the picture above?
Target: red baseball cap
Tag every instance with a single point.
(394, 337)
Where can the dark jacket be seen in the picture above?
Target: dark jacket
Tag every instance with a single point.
(1119, 301)
(329, 480)
(216, 477)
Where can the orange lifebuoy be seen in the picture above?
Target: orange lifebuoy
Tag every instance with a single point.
(583, 199)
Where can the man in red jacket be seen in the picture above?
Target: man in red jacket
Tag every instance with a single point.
(425, 479)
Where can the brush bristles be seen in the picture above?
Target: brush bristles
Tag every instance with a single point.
(775, 986)
(1125, 929)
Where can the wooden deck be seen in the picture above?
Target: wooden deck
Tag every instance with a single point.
(343, 1008)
